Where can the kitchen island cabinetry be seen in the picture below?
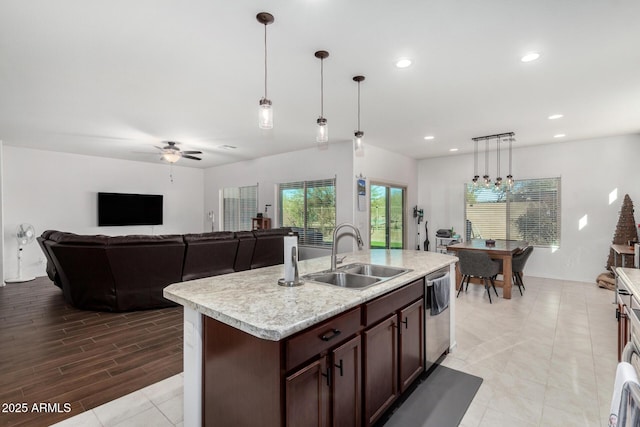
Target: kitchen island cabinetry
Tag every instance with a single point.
(257, 353)
(393, 348)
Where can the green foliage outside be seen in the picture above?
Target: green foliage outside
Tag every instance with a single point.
(320, 218)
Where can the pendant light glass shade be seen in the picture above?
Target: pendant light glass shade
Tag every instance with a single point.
(322, 129)
(265, 114)
(358, 144)
(265, 110)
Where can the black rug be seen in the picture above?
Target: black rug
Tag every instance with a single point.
(439, 399)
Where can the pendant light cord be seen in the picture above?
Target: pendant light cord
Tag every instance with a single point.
(265, 61)
(475, 158)
(321, 87)
(510, 140)
(358, 106)
(486, 157)
(498, 155)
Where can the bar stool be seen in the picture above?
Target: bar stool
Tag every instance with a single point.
(478, 264)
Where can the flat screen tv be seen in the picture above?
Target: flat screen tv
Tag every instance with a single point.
(117, 209)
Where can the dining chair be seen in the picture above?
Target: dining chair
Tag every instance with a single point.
(517, 266)
(480, 265)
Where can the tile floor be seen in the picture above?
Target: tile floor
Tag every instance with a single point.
(547, 358)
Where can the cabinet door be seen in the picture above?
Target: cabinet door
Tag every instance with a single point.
(347, 386)
(411, 343)
(380, 368)
(307, 394)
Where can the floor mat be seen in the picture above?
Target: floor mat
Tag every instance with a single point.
(438, 400)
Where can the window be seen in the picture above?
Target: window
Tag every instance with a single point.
(530, 211)
(309, 207)
(239, 205)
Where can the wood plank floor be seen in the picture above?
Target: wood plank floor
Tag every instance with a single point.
(51, 352)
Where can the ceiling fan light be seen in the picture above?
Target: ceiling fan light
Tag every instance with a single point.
(171, 157)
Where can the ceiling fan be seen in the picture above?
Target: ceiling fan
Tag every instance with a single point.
(171, 153)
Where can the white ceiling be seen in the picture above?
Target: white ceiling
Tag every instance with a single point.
(114, 78)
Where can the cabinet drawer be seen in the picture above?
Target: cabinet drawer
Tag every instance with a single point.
(381, 307)
(321, 337)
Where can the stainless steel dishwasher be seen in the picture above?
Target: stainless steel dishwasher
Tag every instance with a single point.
(437, 321)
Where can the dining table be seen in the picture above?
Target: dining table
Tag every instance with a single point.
(496, 249)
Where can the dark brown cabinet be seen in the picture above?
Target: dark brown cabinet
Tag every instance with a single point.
(393, 347)
(380, 368)
(411, 343)
(347, 384)
(327, 392)
(343, 372)
(307, 396)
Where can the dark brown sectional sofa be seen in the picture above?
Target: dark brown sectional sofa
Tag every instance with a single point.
(125, 273)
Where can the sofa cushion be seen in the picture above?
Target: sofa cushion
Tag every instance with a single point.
(64, 238)
(141, 239)
(209, 254)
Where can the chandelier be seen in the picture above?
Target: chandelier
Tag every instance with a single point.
(499, 183)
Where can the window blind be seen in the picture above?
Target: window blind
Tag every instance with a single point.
(240, 204)
(530, 211)
(309, 208)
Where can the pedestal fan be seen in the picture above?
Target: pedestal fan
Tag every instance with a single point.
(26, 234)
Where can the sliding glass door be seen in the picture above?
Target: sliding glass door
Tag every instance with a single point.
(387, 216)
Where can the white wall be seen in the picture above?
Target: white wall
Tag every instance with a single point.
(308, 164)
(377, 164)
(590, 170)
(52, 190)
(380, 165)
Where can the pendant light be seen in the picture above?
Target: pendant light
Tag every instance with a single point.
(498, 181)
(358, 145)
(265, 112)
(475, 163)
(487, 180)
(322, 129)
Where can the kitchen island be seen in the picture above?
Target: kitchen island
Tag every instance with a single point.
(253, 347)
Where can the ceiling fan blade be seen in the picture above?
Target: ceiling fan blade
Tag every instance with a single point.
(192, 152)
(186, 156)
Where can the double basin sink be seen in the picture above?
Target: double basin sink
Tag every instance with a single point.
(357, 276)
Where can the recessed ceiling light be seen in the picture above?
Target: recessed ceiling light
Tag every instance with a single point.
(403, 63)
(559, 135)
(429, 137)
(555, 116)
(531, 56)
(453, 149)
(228, 147)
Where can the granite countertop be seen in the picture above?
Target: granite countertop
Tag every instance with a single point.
(631, 279)
(253, 302)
